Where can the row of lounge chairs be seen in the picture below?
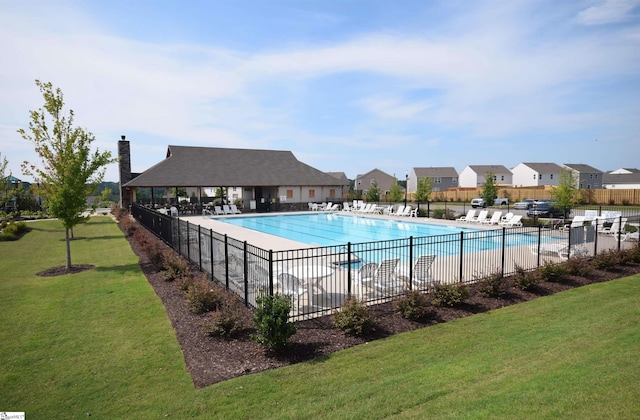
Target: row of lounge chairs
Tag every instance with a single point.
(371, 208)
(226, 209)
(508, 220)
(389, 277)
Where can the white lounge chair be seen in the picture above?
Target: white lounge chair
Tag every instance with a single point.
(481, 217)
(578, 221)
(515, 221)
(506, 217)
(398, 211)
(234, 209)
(422, 274)
(385, 280)
(618, 226)
(226, 209)
(406, 212)
(470, 215)
(560, 249)
(495, 219)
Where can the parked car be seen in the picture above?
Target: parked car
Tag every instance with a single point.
(524, 204)
(545, 209)
(479, 202)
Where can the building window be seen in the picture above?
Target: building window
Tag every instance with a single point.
(312, 193)
(289, 194)
(373, 181)
(454, 181)
(534, 176)
(501, 177)
(437, 180)
(596, 176)
(551, 176)
(495, 178)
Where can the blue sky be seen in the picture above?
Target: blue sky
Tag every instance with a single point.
(347, 86)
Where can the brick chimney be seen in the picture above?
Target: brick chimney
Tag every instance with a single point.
(124, 160)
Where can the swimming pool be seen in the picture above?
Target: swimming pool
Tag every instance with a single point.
(335, 229)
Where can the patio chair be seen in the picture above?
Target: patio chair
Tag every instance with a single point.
(617, 227)
(364, 277)
(234, 209)
(218, 210)
(226, 209)
(406, 212)
(495, 219)
(422, 275)
(290, 285)
(385, 280)
(506, 217)
(398, 211)
(469, 216)
(515, 221)
(481, 217)
(578, 221)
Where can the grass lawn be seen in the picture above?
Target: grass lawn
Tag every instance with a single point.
(98, 343)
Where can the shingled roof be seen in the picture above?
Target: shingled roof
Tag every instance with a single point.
(187, 166)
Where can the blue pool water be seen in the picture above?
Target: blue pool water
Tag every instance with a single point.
(327, 229)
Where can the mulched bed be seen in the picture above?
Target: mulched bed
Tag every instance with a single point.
(212, 359)
(59, 271)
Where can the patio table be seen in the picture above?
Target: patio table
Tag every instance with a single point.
(311, 275)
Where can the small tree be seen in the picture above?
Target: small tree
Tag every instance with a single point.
(489, 189)
(566, 193)
(424, 189)
(374, 192)
(395, 191)
(4, 181)
(70, 171)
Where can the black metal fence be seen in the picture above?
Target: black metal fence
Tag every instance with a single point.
(320, 279)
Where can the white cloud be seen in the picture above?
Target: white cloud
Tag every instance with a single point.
(608, 11)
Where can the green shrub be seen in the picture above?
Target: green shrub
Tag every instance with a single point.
(450, 294)
(579, 266)
(606, 260)
(173, 266)
(203, 296)
(493, 285)
(7, 236)
(354, 318)
(271, 319)
(414, 305)
(525, 280)
(553, 272)
(227, 321)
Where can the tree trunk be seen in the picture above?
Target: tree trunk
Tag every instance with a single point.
(68, 248)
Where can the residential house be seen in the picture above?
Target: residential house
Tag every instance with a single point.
(474, 175)
(587, 177)
(384, 181)
(536, 174)
(442, 178)
(623, 178)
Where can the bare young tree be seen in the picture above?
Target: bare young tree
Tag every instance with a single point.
(70, 171)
